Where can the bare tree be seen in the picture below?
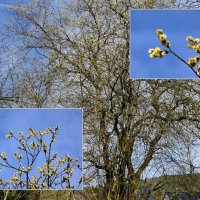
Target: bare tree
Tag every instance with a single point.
(78, 55)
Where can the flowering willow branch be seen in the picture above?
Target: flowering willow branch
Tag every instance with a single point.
(193, 43)
(56, 171)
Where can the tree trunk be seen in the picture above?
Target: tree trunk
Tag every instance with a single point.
(134, 183)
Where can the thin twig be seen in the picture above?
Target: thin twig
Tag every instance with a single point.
(170, 51)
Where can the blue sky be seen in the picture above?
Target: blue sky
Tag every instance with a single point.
(4, 7)
(3, 13)
(177, 25)
(69, 138)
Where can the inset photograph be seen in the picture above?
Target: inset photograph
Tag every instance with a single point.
(40, 149)
(165, 44)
